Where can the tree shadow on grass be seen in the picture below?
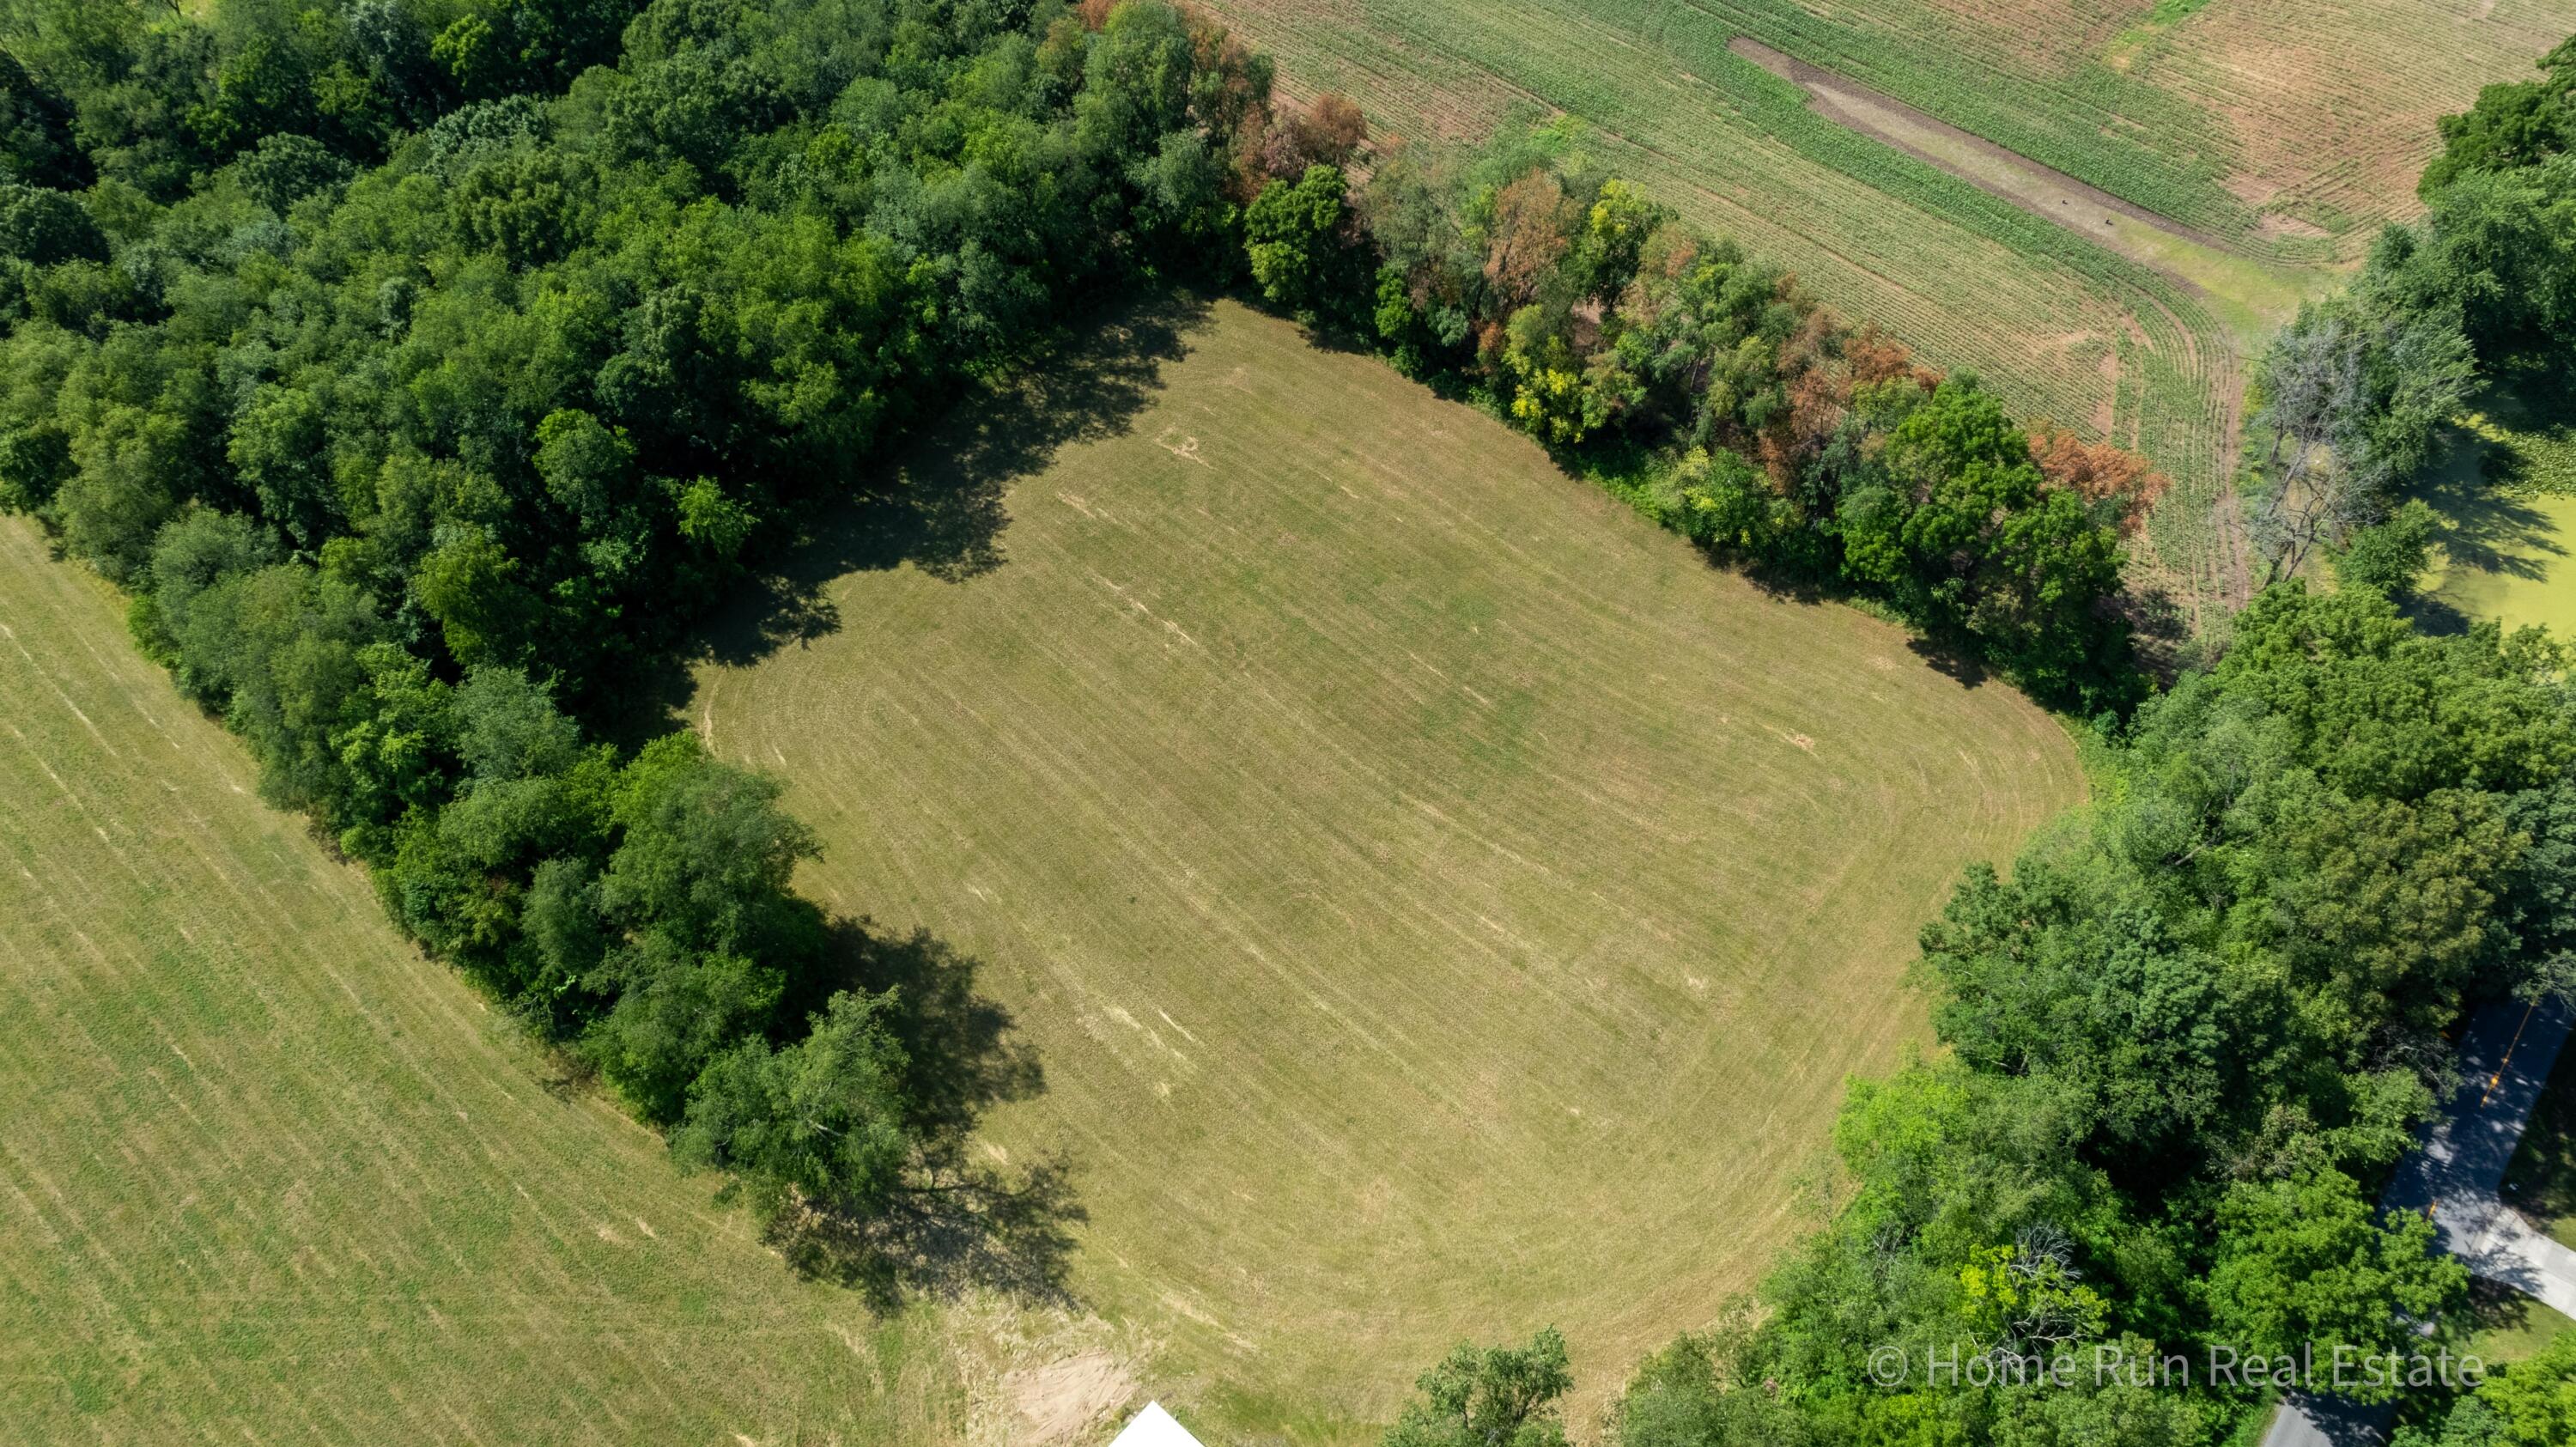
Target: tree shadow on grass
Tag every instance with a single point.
(941, 505)
(937, 502)
(2495, 1306)
(960, 1220)
(2439, 617)
(2485, 529)
(2494, 531)
(1959, 662)
(941, 1236)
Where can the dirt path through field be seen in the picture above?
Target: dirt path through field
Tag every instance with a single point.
(2252, 297)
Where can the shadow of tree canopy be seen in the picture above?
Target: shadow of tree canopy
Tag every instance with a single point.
(2493, 531)
(1952, 658)
(2496, 1306)
(959, 1220)
(965, 1054)
(2159, 629)
(938, 501)
(941, 507)
(2485, 528)
(2437, 616)
(944, 1234)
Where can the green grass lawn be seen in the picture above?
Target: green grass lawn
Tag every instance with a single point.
(1442, 904)
(2508, 1326)
(267, 1175)
(2506, 494)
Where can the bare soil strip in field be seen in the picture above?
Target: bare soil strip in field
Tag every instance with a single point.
(2250, 296)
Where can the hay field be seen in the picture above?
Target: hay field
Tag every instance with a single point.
(267, 1176)
(1440, 902)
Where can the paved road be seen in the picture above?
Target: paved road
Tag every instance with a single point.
(2506, 1057)
(2462, 1165)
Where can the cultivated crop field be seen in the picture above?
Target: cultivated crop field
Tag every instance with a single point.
(266, 1175)
(1440, 902)
(2293, 128)
(2284, 133)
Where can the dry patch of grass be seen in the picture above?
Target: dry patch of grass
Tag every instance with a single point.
(1441, 903)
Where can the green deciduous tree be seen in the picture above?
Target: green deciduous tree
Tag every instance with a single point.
(1678, 1398)
(2301, 1262)
(1489, 1397)
(1296, 234)
(2513, 124)
(2390, 555)
(821, 1118)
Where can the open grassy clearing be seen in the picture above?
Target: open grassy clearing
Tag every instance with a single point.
(268, 1176)
(1442, 903)
(2507, 1326)
(2506, 495)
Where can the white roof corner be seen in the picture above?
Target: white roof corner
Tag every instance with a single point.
(1154, 1427)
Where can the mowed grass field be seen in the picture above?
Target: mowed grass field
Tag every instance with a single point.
(2506, 497)
(2282, 132)
(267, 1176)
(1442, 904)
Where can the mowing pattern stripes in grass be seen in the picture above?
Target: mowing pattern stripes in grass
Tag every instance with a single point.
(1442, 902)
(267, 1175)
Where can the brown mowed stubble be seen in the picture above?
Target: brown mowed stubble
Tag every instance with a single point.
(1441, 903)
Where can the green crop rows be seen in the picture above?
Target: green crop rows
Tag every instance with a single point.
(2094, 123)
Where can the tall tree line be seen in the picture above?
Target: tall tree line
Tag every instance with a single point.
(424, 368)
(1721, 396)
